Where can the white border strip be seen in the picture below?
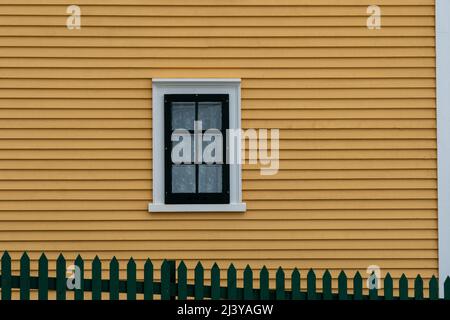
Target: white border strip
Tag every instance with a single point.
(232, 207)
(443, 135)
(176, 81)
(200, 86)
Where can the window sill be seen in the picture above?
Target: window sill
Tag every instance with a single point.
(233, 207)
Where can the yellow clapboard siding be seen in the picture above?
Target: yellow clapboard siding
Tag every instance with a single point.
(218, 42)
(268, 194)
(331, 123)
(239, 235)
(86, 175)
(357, 134)
(337, 93)
(135, 174)
(252, 205)
(89, 114)
(330, 174)
(247, 104)
(216, 53)
(127, 21)
(75, 164)
(75, 103)
(130, 184)
(140, 184)
(220, 255)
(293, 124)
(329, 204)
(340, 184)
(286, 134)
(227, 2)
(344, 103)
(75, 114)
(335, 83)
(285, 215)
(76, 154)
(224, 225)
(144, 62)
(75, 123)
(246, 83)
(320, 194)
(155, 246)
(76, 93)
(300, 9)
(335, 114)
(358, 154)
(349, 164)
(217, 31)
(285, 164)
(371, 145)
(356, 109)
(86, 73)
(325, 144)
(95, 133)
(246, 94)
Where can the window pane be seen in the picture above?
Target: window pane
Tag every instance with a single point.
(182, 148)
(183, 115)
(183, 179)
(210, 113)
(210, 178)
(212, 150)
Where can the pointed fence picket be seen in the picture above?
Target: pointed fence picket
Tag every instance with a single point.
(199, 285)
(79, 291)
(114, 279)
(342, 286)
(174, 283)
(215, 282)
(388, 287)
(357, 287)
(232, 283)
(24, 277)
(42, 278)
(296, 294)
(96, 279)
(248, 283)
(61, 278)
(264, 284)
(182, 281)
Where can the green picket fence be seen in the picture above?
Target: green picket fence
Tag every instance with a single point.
(173, 283)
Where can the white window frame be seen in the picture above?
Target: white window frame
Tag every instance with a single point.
(442, 11)
(160, 87)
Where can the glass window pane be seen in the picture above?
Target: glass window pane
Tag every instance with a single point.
(210, 113)
(212, 150)
(182, 148)
(210, 178)
(183, 179)
(183, 115)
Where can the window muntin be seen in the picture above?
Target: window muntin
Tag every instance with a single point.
(197, 182)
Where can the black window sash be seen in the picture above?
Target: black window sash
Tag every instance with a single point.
(195, 198)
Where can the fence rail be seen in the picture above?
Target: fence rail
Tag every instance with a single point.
(174, 284)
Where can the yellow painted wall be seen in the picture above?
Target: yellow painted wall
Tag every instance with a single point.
(356, 110)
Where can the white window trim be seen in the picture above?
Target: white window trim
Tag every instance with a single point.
(443, 136)
(232, 87)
